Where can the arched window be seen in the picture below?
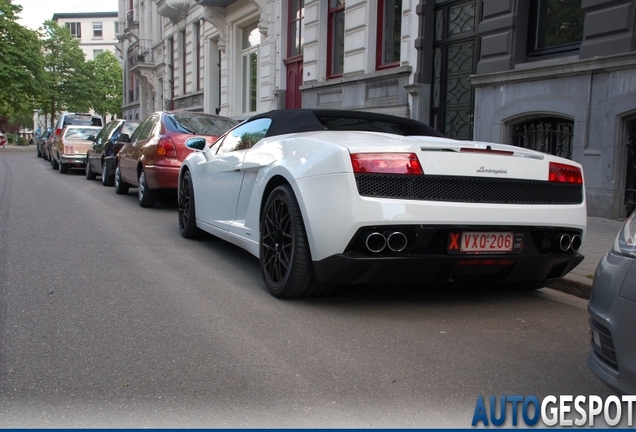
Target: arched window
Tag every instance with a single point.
(546, 134)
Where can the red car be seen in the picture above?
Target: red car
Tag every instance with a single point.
(150, 159)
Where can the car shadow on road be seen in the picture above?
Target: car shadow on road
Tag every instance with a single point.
(438, 294)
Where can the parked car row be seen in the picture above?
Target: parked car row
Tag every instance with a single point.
(326, 197)
(46, 138)
(127, 153)
(150, 158)
(101, 156)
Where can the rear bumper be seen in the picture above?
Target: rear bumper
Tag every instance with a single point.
(75, 160)
(162, 177)
(442, 269)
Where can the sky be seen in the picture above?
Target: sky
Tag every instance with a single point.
(35, 12)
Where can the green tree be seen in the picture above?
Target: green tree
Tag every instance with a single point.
(67, 82)
(107, 84)
(21, 63)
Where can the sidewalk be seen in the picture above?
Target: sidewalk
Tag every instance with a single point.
(12, 148)
(599, 239)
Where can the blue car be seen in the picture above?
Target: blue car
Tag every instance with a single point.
(612, 310)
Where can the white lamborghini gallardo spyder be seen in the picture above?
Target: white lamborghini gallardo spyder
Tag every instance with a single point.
(328, 197)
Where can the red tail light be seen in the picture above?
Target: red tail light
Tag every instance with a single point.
(58, 132)
(386, 163)
(166, 147)
(561, 173)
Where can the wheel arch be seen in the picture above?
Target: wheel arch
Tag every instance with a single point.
(184, 168)
(279, 180)
(272, 184)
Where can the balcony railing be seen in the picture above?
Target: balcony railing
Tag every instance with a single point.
(141, 52)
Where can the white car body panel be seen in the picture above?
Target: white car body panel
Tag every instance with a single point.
(321, 175)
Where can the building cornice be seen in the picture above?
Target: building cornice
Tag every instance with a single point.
(557, 68)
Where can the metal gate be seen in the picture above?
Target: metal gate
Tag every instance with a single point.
(454, 59)
(630, 174)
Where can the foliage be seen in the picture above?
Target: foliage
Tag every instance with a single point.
(46, 70)
(106, 78)
(67, 83)
(21, 67)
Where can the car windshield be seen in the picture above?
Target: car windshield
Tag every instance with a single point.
(80, 133)
(200, 124)
(129, 127)
(82, 120)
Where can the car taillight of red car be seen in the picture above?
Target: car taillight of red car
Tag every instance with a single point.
(166, 147)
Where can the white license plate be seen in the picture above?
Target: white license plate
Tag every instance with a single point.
(487, 241)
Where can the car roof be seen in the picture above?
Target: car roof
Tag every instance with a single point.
(309, 120)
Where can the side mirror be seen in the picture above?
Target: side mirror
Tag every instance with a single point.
(196, 143)
(123, 138)
(90, 137)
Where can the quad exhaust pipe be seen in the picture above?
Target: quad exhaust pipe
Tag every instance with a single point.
(568, 242)
(395, 241)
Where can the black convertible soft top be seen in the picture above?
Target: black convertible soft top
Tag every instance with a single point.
(308, 120)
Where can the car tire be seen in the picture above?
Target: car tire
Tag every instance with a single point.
(147, 197)
(121, 188)
(285, 258)
(63, 168)
(37, 150)
(90, 175)
(187, 209)
(107, 178)
(54, 163)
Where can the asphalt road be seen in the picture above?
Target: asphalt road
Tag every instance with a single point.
(108, 318)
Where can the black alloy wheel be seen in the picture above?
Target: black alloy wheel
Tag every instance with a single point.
(285, 258)
(187, 210)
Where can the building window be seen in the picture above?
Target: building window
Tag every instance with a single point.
(251, 39)
(389, 33)
(97, 52)
(335, 54)
(555, 26)
(97, 30)
(116, 28)
(296, 15)
(547, 134)
(75, 28)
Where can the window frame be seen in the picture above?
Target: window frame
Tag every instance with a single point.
(332, 15)
(534, 24)
(249, 81)
(295, 39)
(380, 46)
(99, 24)
(76, 25)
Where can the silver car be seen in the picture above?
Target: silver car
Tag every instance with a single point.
(612, 309)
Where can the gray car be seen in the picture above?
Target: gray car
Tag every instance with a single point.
(612, 309)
